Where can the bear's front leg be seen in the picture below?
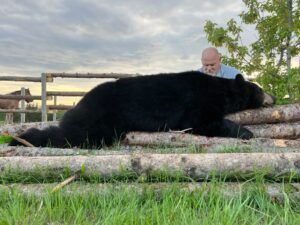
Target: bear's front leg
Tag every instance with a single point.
(225, 128)
(232, 129)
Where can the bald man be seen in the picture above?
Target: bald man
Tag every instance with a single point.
(211, 64)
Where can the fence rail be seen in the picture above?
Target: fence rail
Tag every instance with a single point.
(90, 75)
(19, 111)
(26, 97)
(47, 95)
(59, 107)
(16, 78)
(66, 93)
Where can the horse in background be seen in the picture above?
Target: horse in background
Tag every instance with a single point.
(12, 104)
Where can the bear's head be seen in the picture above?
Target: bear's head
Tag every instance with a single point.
(256, 97)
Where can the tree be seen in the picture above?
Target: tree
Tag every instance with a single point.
(277, 23)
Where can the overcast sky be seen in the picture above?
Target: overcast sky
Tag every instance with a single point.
(132, 36)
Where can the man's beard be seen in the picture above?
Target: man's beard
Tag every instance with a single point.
(211, 73)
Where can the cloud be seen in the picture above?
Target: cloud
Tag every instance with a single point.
(108, 36)
(132, 36)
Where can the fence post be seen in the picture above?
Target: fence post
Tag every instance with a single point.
(23, 105)
(44, 96)
(54, 111)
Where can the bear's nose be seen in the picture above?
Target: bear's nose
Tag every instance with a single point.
(269, 100)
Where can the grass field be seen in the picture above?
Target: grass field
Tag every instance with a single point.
(127, 205)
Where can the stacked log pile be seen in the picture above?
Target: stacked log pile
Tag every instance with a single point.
(277, 126)
(274, 152)
(274, 122)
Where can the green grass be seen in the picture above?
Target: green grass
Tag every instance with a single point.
(150, 206)
(5, 139)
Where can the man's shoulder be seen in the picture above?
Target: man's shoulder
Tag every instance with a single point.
(229, 68)
(228, 71)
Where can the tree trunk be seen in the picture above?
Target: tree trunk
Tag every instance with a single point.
(195, 166)
(278, 131)
(276, 114)
(173, 139)
(289, 35)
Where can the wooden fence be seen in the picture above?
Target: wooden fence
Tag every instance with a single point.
(47, 95)
(21, 97)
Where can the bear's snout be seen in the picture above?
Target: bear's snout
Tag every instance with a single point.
(269, 100)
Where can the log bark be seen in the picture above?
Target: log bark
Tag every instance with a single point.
(278, 131)
(182, 139)
(275, 191)
(275, 114)
(194, 166)
(17, 129)
(6, 151)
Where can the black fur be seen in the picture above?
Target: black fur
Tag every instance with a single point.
(152, 103)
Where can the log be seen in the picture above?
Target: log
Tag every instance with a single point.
(275, 191)
(17, 129)
(6, 151)
(278, 131)
(173, 139)
(275, 166)
(275, 114)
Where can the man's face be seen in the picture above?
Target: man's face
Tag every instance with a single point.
(211, 64)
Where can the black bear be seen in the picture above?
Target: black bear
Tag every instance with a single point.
(174, 101)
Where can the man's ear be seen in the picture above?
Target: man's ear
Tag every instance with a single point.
(239, 79)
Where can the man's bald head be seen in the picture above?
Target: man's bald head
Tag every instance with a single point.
(211, 61)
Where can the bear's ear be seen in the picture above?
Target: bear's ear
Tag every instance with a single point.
(239, 79)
